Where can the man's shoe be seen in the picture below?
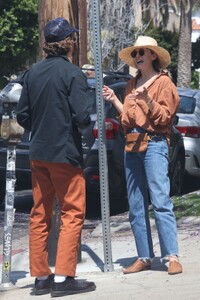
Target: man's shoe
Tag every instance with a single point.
(43, 286)
(138, 266)
(71, 286)
(174, 268)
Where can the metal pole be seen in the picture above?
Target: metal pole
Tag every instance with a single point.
(105, 210)
(9, 218)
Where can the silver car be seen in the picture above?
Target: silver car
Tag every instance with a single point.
(189, 126)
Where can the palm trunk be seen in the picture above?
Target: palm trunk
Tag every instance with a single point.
(185, 44)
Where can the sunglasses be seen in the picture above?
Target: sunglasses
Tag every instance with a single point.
(140, 51)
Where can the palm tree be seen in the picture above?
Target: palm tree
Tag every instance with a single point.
(185, 45)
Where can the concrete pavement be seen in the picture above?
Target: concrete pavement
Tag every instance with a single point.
(113, 285)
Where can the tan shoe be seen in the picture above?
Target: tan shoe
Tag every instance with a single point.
(174, 268)
(138, 266)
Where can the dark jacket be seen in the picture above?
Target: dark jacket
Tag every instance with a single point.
(53, 106)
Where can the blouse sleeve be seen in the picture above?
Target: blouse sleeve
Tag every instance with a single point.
(166, 104)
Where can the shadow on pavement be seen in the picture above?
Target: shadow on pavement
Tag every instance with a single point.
(93, 256)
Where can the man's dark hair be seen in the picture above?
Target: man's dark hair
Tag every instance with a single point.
(59, 48)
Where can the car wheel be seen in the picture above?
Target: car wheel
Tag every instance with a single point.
(177, 177)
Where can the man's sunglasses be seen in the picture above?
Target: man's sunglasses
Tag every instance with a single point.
(140, 51)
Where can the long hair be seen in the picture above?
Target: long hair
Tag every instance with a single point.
(59, 48)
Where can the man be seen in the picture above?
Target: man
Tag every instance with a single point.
(53, 106)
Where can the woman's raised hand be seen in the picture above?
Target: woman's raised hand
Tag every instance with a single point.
(108, 93)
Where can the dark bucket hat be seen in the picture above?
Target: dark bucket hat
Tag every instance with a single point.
(57, 30)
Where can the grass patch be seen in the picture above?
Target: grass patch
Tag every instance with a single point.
(185, 206)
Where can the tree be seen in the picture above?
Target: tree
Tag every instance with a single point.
(116, 30)
(184, 7)
(121, 22)
(187, 58)
(185, 45)
(168, 40)
(196, 55)
(18, 36)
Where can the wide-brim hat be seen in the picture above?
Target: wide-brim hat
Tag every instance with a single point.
(149, 43)
(57, 30)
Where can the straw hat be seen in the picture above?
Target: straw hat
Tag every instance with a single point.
(145, 42)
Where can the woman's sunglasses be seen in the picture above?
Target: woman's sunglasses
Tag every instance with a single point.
(140, 51)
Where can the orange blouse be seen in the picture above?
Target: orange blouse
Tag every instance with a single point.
(160, 119)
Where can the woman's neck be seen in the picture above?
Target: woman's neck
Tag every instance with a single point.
(146, 75)
(146, 78)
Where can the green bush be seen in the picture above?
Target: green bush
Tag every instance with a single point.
(18, 36)
(195, 80)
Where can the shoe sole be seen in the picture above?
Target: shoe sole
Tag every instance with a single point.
(136, 271)
(71, 292)
(42, 292)
(174, 273)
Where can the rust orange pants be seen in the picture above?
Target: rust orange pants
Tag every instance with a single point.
(68, 184)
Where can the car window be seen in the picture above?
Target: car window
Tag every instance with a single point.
(187, 105)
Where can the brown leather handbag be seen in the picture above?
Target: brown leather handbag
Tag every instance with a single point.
(136, 142)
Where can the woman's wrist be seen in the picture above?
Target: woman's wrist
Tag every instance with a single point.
(112, 97)
(116, 102)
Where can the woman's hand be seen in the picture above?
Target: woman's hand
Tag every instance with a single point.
(142, 94)
(139, 94)
(108, 93)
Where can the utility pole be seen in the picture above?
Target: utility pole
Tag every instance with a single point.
(82, 5)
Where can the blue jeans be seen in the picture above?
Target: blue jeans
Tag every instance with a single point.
(147, 178)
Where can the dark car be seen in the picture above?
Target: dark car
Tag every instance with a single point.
(115, 142)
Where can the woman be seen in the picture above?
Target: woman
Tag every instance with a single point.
(150, 105)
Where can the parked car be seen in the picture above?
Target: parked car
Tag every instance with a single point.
(115, 142)
(189, 126)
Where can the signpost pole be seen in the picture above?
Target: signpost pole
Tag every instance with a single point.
(105, 210)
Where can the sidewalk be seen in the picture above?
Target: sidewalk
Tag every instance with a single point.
(113, 285)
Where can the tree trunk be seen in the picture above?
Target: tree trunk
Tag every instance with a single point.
(185, 44)
(51, 9)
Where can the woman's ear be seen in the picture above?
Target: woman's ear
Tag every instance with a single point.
(154, 56)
